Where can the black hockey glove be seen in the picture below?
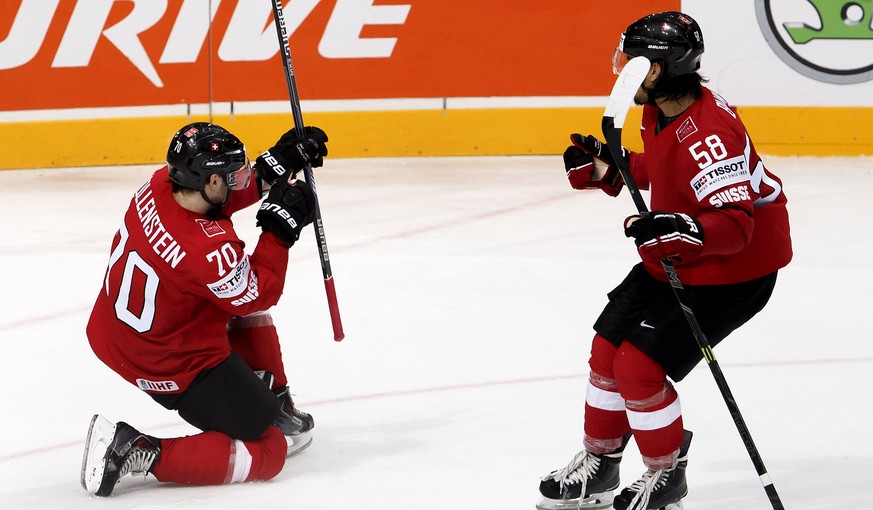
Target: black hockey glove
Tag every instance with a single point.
(659, 235)
(604, 174)
(286, 210)
(291, 154)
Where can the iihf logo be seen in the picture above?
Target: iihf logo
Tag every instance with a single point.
(826, 40)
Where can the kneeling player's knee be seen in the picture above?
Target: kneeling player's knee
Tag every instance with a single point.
(268, 455)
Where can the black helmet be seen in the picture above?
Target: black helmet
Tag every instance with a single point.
(673, 38)
(201, 149)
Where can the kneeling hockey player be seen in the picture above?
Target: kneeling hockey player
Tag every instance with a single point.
(182, 313)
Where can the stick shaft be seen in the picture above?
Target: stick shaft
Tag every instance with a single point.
(318, 223)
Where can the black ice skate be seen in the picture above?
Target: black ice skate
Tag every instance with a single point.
(586, 483)
(661, 489)
(294, 423)
(113, 450)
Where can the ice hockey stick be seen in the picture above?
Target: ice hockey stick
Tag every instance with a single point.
(318, 224)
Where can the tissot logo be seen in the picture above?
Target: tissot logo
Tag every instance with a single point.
(827, 40)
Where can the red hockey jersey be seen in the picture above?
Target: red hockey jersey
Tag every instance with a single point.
(175, 278)
(704, 164)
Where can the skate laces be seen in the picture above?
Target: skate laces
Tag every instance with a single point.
(138, 462)
(582, 468)
(650, 481)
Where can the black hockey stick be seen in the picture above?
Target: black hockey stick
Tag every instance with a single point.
(318, 224)
(620, 101)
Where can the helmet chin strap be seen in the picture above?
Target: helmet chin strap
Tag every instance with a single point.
(215, 210)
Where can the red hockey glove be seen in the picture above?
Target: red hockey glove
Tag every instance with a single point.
(605, 175)
(659, 235)
(580, 168)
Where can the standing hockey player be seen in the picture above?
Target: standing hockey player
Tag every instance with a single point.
(182, 313)
(719, 215)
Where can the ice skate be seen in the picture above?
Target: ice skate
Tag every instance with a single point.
(661, 489)
(113, 450)
(294, 423)
(586, 483)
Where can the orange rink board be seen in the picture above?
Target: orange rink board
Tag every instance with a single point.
(94, 56)
(98, 53)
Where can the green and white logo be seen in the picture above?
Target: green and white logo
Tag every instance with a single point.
(827, 40)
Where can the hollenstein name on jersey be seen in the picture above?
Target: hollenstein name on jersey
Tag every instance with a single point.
(721, 174)
(161, 241)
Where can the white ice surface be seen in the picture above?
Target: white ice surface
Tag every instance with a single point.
(467, 288)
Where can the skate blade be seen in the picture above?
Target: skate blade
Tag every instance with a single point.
(600, 501)
(674, 506)
(298, 443)
(100, 433)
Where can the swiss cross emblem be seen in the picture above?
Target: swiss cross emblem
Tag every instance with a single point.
(665, 27)
(214, 146)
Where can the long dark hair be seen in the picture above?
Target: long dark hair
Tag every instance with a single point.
(673, 88)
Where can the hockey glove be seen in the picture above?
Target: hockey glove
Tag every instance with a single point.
(291, 154)
(659, 235)
(604, 174)
(580, 168)
(286, 210)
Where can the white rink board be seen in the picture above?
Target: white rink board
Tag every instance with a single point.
(743, 68)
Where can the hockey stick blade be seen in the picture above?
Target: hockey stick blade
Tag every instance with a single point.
(625, 88)
(620, 100)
